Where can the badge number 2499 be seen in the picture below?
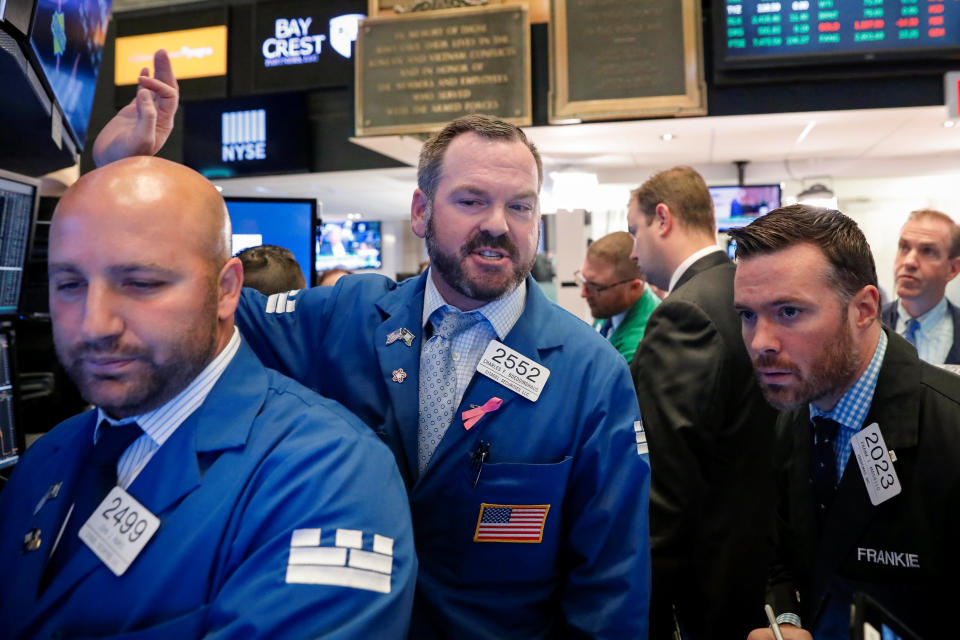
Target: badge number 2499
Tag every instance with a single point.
(513, 370)
(118, 530)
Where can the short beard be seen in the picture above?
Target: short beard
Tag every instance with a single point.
(450, 266)
(833, 370)
(160, 381)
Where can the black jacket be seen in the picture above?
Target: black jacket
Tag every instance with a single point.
(917, 407)
(710, 434)
(889, 317)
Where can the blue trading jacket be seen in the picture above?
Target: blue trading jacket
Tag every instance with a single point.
(260, 458)
(575, 449)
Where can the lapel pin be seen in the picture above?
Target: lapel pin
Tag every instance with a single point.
(399, 375)
(51, 493)
(401, 334)
(472, 416)
(32, 541)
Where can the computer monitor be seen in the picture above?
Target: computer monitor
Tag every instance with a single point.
(18, 211)
(352, 244)
(11, 437)
(737, 206)
(285, 222)
(67, 38)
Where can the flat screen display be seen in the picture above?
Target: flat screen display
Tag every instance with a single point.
(10, 437)
(736, 206)
(252, 135)
(764, 33)
(354, 244)
(194, 53)
(305, 44)
(283, 222)
(18, 210)
(67, 37)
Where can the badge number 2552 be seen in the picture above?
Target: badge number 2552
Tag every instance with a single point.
(513, 370)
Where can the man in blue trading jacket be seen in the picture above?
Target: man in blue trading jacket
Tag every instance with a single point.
(205, 496)
(513, 423)
(867, 453)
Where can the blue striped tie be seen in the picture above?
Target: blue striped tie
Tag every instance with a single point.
(911, 334)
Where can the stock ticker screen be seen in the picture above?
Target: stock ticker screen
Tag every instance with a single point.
(755, 33)
(8, 436)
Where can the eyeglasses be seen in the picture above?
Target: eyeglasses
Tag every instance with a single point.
(593, 287)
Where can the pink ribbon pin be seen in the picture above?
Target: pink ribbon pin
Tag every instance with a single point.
(472, 416)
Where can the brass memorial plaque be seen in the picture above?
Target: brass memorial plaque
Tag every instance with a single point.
(416, 72)
(625, 58)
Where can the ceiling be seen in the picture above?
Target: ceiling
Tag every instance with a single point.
(839, 144)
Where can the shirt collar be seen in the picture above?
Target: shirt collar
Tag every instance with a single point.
(161, 422)
(927, 320)
(851, 410)
(617, 319)
(693, 257)
(502, 313)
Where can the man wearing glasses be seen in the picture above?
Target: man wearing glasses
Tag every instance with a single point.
(613, 285)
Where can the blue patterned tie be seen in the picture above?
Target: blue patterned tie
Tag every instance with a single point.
(438, 380)
(911, 333)
(823, 465)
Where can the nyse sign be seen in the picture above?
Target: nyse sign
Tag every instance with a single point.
(293, 43)
(244, 135)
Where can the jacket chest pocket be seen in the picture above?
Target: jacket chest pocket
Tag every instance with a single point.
(512, 522)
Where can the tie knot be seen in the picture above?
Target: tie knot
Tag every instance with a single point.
(451, 322)
(113, 440)
(825, 429)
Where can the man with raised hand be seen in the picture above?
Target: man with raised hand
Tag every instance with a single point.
(513, 423)
(204, 496)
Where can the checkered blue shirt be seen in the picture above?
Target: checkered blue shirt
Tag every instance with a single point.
(851, 410)
(934, 336)
(467, 346)
(158, 425)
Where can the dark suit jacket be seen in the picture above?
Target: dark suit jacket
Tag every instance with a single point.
(889, 317)
(917, 407)
(710, 434)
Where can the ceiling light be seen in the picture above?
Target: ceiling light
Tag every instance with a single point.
(667, 137)
(806, 131)
(949, 123)
(818, 195)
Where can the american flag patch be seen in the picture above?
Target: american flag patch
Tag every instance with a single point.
(511, 522)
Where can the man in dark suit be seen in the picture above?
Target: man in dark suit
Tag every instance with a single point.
(867, 457)
(708, 427)
(928, 257)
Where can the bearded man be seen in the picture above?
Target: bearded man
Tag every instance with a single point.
(866, 446)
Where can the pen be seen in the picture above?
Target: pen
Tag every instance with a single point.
(773, 622)
(480, 455)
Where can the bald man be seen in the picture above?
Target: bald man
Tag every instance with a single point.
(204, 495)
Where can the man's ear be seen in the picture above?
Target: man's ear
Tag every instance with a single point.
(663, 220)
(230, 284)
(864, 306)
(418, 213)
(954, 268)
